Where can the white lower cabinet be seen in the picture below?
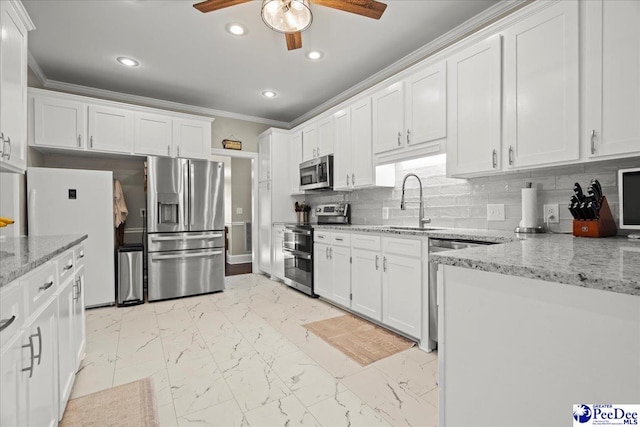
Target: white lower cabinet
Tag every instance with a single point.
(366, 283)
(401, 296)
(79, 328)
(13, 410)
(277, 256)
(323, 271)
(66, 339)
(341, 266)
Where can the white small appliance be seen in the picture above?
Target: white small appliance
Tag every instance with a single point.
(72, 201)
(629, 189)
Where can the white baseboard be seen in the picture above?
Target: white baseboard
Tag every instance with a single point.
(238, 259)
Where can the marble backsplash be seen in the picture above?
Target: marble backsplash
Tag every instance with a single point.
(462, 203)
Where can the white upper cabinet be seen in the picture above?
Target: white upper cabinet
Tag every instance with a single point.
(153, 135)
(361, 148)
(59, 123)
(264, 157)
(342, 157)
(426, 105)
(325, 137)
(296, 159)
(474, 82)
(309, 142)
(388, 118)
(13, 89)
(541, 83)
(192, 138)
(110, 129)
(612, 123)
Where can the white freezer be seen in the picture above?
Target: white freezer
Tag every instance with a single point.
(71, 201)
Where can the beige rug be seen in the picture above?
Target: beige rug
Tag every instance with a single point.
(131, 404)
(362, 341)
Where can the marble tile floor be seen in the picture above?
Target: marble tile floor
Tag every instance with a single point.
(242, 358)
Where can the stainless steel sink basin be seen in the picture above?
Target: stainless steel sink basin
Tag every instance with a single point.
(411, 228)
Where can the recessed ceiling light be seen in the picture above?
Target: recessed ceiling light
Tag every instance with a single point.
(269, 94)
(314, 54)
(236, 29)
(129, 62)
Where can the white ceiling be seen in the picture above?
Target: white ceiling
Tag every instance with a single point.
(188, 57)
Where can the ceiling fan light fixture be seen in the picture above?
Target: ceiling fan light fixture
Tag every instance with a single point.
(287, 16)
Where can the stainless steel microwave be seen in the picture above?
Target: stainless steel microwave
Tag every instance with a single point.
(317, 174)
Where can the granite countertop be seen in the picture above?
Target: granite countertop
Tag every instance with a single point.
(19, 255)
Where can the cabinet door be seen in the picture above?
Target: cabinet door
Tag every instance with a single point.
(541, 84)
(322, 271)
(388, 118)
(426, 105)
(401, 296)
(366, 283)
(43, 383)
(59, 123)
(612, 77)
(79, 334)
(192, 139)
(13, 96)
(341, 262)
(342, 153)
(296, 159)
(264, 157)
(309, 142)
(152, 135)
(325, 137)
(474, 102)
(66, 340)
(264, 207)
(361, 145)
(13, 408)
(278, 255)
(110, 129)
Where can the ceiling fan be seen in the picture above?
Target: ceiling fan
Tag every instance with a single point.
(291, 17)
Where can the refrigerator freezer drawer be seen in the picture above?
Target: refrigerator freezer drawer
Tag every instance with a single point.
(182, 273)
(185, 241)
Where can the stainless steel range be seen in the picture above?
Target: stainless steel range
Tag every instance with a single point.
(298, 245)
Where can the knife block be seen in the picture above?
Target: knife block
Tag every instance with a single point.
(604, 226)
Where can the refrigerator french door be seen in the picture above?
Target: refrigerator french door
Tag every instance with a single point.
(185, 227)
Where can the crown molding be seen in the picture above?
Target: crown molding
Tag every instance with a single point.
(35, 67)
(462, 31)
(24, 16)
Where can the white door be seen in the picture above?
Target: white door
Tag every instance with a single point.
(192, 139)
(13, 408)
(401, 295)
(296, 158)
(322, 271)
(325, 137)
(541, 83)
(59, 123)
(13, 96)
(612, 78)
(264, 157)
(341, 260)
(153, 135)
(366, 283)
(426, 105)
(474, 108)
(342, 151)
(309, 142)
(66, 340)
(361, 144)
(110, 129)
(264, 206)
(388, 118)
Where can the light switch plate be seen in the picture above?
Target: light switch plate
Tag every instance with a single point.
(239, 211)
(495, 212)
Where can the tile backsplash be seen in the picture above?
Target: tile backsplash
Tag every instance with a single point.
(462, 203)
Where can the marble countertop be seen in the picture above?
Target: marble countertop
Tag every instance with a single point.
(19, 255)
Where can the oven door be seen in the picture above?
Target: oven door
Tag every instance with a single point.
(298, 240)
(298, 268)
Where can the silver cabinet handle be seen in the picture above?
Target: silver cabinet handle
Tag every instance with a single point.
(339, 239)
(5, 323)
(268, 174)
(384, 263)
(593, 141)
(91, 141)
(510, 155)
(399, 136)
(318, 151)
(4, 152)
(377, 262)
(79, 140)
(326, 255)
(347, 180)
(408, 136)
(68, 267)
(314, 153)
(168, 150)
(178, 150)
(494, 158)
(353, 179)
(81, 255)
(330, 253)
(76, 289)
(30, 345)
(46, 286)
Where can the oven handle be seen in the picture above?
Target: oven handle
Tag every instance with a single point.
(183, 256)
(298, 231)
(297, 254)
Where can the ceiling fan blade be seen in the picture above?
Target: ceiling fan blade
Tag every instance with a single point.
(369, 8)
(211, 5)
(294, 40)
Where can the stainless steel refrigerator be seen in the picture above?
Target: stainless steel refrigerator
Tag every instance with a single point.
(185, 227)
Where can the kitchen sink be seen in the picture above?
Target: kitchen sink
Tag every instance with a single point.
(414, 228)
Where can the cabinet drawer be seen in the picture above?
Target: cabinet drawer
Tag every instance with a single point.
(321, 236)
(365, 241)
(406, 247)
(40, 285)
(65, 264)
(11, 311)
(341, 239)
(78, 255)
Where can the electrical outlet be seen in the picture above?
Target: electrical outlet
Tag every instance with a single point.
(239, 211)
(385, 213)
(551, 213)
(143, 212)
(495, 212)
